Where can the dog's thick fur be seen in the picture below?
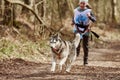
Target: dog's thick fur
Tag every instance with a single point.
(64, 51)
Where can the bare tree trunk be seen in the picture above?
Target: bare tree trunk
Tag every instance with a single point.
(2, 6)
(29, 8)
(71, 6)
(32, 5)
(7, 14)
(114, 11)
(44, 7)
(59, 13)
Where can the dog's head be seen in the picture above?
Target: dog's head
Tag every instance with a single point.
(55, 41)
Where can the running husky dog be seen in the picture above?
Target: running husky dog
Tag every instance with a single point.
(64, 51)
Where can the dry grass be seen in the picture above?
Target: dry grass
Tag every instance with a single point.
(22, 47)
(108, 34)
(27, 50)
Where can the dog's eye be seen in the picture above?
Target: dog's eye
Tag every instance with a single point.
(55, 41)
(51, 41)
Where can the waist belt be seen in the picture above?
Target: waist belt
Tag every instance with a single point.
(81, 25)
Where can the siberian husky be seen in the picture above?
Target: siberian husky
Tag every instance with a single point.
(63, 51)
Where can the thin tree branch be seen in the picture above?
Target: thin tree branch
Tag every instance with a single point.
(36, 6)
(28, 7)
(23, 21)
(38, 3)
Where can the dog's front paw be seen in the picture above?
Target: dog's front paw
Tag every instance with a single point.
(68, 71)
(52, 70)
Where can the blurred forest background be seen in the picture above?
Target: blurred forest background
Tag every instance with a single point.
(25, 25)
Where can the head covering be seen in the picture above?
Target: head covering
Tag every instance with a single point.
(86, 1)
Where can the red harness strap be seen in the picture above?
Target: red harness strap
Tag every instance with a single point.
(58, 52)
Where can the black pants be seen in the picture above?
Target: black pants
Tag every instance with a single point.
(85, 48)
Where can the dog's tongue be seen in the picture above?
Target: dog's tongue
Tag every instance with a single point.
(55, 49)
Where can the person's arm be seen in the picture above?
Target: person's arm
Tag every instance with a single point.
(91, 17)
(73, 21)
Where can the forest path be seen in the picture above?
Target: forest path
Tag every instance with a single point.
(104, 64)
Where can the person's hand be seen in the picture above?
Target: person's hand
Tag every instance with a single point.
(88, 14)
(88, 30)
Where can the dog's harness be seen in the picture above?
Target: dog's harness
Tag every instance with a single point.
(58, 51)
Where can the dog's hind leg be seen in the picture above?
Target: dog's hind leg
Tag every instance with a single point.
(76, 41)
(69, 63)
(71, 58)
(68, 68)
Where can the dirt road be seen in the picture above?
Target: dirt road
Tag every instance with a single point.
(104, 64)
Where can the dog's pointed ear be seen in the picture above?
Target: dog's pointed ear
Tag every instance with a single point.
(52, 33)
(58, 35)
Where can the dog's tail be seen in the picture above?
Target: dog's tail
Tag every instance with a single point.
(76, 41)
